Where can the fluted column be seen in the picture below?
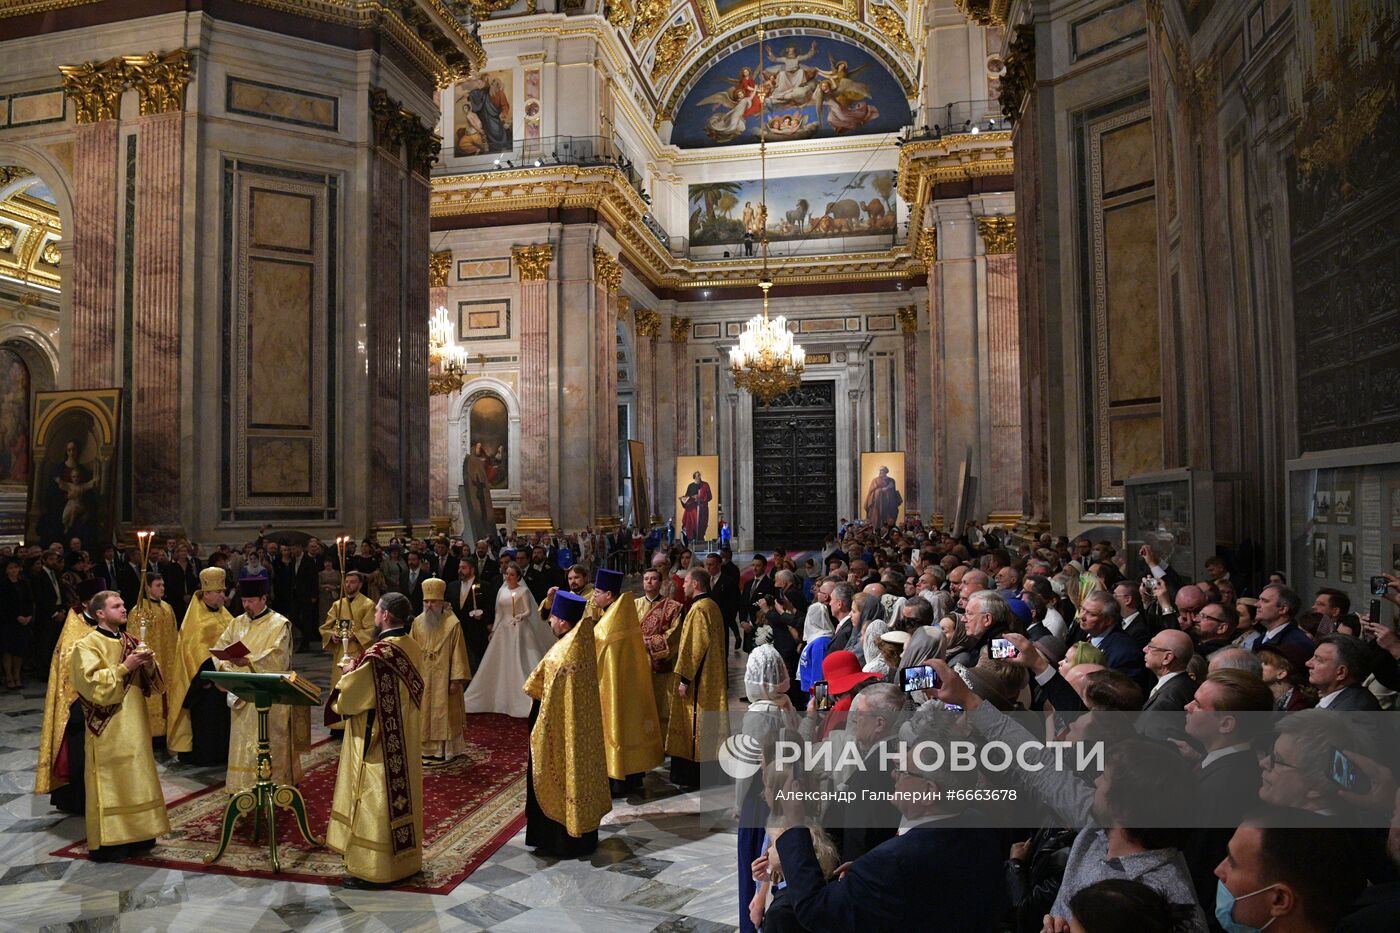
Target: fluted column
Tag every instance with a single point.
(1004, 501)
(1035, 371)
(665, 425)
(533, 264)
(648, 327)
(927, 251)
(160, 81)
(439, 268)
(607, 277)
(680, 333)
(95, 90)
(909, 325)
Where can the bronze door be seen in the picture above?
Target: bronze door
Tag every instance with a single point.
(794, 467)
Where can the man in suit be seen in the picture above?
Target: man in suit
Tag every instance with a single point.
(303, 573)
(1276, 614)
(759, 585)
(1101, 622)
(181, 575)
(725, 592)
(1125, 593)
(1215, 628)
(488, 566)
(119, 573)
(887, 887)
(413, 582)
(473, 600)
(862, 820)
(1336, 671)
(1167, 656)
(542, 573)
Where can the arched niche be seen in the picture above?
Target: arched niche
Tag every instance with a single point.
(460, 439)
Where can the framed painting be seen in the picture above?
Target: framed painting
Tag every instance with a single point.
(72, 490)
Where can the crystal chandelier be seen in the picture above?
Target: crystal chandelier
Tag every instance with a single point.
(766, 363)
(447, 361)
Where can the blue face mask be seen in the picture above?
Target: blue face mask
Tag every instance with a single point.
(1225, 909)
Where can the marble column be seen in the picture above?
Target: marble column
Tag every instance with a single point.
(928, 253)
(533, 263)
(94, 89)
(439, 270)
(383, 341)
(663, 492)
(1030, 274)
(909, 326)
(1003, 491)
(607, 276)
(680, 333)
(416, 443)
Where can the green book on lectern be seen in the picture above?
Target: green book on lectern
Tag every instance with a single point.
(282, 688)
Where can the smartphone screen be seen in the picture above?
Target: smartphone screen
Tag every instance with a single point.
(919, 677)
(821, 694)
(1003, 648)
(1345, 773)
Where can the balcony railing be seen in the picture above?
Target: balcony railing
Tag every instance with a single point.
(956, 117)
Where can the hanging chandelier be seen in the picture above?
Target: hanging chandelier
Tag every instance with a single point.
(447, 360)
(766, 363)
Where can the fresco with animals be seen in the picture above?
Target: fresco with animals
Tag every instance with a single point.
(799, 207)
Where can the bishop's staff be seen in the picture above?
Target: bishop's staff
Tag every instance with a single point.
(343, 623)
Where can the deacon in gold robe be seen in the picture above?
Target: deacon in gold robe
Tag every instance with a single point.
(445, 671)
(113, 677)
(377, 814)
(700, 705)
(162, 637)
(359, 609)
(198, 728)
(578, 584)
(61, 715)
(268, 637)
(660, 618)
(566, 789)
(631, 735)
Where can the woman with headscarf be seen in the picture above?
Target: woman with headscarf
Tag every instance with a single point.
(925, 645)
(769, 712)
(816, 635)
(956, 638)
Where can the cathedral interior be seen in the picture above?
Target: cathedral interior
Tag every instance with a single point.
(1119, 268)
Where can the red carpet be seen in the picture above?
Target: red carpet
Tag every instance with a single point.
(471, 807)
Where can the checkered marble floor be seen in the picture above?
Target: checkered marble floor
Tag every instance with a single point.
(665, 864)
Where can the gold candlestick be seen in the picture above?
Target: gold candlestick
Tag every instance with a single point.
(343, 624)
(143, 547)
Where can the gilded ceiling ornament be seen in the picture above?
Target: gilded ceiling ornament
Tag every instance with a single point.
(648, 323)
(533, 262)
(650, 15)
(9, 173)
(926, 249)
(891, 24)
(160, 80)
(669, 49)
(439, 265)
(620, 13)
(998, 233)
(680, 329)
(50, 254)
(484, 8)
(95, 88)
(908, 318)
(9, 236)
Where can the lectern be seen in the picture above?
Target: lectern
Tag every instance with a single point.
(264, 691)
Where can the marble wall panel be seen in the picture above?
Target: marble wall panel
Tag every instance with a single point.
(281, 221)
(39, 107)
(1106, 28)
(281, 104)
(279, 466)
(1134, 361)
(707, 405)
(279, 333)
(1136, 443)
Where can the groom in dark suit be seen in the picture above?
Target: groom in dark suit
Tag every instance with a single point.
(473, 600)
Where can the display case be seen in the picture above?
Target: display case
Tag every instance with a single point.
(1174, 511)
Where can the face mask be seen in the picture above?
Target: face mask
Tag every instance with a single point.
(1225, 909)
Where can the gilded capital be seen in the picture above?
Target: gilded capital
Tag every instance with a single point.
(648, 323)
(607, 271)
(985, 12)
(160, 80)
(998, 233)
(624, 307)
(533, 262)
(908, 318)
(926, 249)
(95, 88)
(439, 267)
(680, 329)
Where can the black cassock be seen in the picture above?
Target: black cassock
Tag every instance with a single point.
(209, 722)
(542, 834)
(72, 797)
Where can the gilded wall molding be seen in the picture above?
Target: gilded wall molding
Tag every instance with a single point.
(669, 49)
(607, 271)
(95, 88)
(998, 232)
(957, 157)
(160, 80)
(533, 262)
(647, 21)
(926, 247)
(680, 329)
(908, 318)
(439, 267)
(891, 24)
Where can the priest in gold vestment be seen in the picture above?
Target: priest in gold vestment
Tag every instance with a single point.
(660, 619)
(162, 637)
(631, 734)
(359, 609)
(113, 677)
(198, 727)
(445, 671)
(566, 790)
(700, 706)
(59, 701)
(267, 636)
(377, 815)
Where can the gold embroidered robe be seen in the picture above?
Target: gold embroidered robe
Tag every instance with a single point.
(568, 766)
(661, 631)
(269, 642)
(162, 637)
(198, 633)
(444, 663)
(58, 698)
(360, 825)
(360, 610)
(697, 728)
(124, 799)
(631, 734)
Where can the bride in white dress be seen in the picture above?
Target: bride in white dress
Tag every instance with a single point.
(518, 640)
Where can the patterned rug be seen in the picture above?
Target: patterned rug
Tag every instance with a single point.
(471, 807)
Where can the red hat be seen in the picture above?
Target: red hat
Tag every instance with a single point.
(841, 670)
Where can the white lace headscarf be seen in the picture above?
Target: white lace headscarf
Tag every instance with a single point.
(766, 676)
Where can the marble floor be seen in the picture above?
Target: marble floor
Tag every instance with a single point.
(665, 864)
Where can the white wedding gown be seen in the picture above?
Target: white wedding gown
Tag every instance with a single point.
(518, 641)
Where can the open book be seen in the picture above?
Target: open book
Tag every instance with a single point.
(231, 653)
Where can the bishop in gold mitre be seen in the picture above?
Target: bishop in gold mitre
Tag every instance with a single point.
(577, 582)
(162, 637)
(359, 609)
(660, 618)
(700, 705)
(445, 671)
(566, 789)
(62, 717)
(631, 732)
(267, 636)
(113, 677)
(377, 815)
(198, 727)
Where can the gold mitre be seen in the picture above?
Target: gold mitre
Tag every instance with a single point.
(433, 588)
(211, 580)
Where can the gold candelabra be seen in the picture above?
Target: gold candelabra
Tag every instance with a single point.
(343, 624)
(142, 610)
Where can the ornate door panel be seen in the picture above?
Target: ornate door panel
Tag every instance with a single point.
(794, 467)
